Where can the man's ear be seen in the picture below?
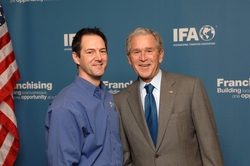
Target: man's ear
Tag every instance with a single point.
(75, 58)
(161, 56)
(128, 56)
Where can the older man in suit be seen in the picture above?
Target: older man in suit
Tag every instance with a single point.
(182, 131)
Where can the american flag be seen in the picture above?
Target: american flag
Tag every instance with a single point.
(9, 75)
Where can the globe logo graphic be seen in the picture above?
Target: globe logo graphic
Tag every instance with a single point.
(207, 33)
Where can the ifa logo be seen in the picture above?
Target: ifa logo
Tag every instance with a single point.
(191, 36)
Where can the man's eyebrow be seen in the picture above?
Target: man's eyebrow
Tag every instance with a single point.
(89, 49)
(137, 49)
(149, 48)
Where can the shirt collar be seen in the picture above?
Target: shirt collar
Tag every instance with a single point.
(156, 81)
(89, 87)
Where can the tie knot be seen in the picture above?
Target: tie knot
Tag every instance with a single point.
(149, 88)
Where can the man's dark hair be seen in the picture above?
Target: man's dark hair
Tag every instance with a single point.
(76, 43)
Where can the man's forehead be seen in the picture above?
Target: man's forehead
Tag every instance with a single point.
(92, 42)
(139, 48)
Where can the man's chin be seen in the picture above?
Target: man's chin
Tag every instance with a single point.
(145, 78)
(98, 76)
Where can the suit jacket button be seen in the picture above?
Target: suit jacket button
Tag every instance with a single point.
(157, 155)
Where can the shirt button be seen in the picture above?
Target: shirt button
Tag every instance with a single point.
(157, 155)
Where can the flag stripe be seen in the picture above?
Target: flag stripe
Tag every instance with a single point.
(5, 148)
(4, 64)
(11, 157)
(4, 30)
(6, 74)
(5, 36)
(6, 50)
(7, 118)
(10, 83)
(3, 134)
(7, 115)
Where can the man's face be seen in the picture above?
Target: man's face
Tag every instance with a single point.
(144, 56)
(93, 58)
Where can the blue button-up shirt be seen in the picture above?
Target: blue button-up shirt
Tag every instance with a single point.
(82, 127)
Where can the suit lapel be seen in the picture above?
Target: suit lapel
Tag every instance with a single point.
(134, 101)
(167, 96)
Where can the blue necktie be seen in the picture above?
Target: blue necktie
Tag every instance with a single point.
(151, 112)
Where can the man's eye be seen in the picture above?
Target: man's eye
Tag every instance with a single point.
(89, 52)
(149, 52)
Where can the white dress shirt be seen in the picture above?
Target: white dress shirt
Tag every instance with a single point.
(156, 82)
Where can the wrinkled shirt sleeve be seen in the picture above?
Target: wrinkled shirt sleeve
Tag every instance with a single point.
(63, 144)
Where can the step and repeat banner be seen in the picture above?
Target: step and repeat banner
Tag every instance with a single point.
(205, 39)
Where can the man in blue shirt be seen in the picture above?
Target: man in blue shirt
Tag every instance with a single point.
(81, 125)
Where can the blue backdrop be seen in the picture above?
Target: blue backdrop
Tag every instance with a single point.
(206, 39)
